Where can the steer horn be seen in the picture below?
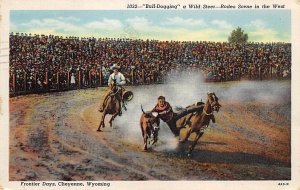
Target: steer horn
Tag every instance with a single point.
(147, 113)
(142, 109)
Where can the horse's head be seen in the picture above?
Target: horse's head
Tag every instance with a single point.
(213, 101)
(114, 86)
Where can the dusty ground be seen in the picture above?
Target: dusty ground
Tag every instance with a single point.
(53, 137)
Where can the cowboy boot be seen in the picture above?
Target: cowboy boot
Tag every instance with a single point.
(124, 105)
(120, 112)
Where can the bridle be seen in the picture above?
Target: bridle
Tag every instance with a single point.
(207, 113)
(212, 103)
(113, 93)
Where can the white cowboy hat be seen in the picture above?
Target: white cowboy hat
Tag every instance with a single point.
(116, 67)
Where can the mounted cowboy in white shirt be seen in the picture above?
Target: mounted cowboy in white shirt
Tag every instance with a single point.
(116, 78)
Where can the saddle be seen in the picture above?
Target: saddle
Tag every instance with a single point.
(180, 109)
(193, 109)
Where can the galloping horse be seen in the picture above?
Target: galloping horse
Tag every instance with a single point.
(200, 120)
(113, 105)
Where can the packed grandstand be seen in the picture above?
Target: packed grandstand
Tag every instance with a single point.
(44, 63)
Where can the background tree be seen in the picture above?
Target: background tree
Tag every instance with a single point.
(238, 36)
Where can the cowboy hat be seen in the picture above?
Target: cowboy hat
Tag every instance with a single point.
(116, 67)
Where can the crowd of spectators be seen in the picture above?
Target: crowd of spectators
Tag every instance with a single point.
(41, 63)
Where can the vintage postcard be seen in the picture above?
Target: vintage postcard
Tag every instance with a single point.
(149, 94)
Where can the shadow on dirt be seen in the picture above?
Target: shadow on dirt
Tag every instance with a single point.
(211, 143)
(207, 156)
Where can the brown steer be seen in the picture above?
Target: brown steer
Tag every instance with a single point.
(149, 123)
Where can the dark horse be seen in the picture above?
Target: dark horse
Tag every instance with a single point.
(199, 121)
(113, 104)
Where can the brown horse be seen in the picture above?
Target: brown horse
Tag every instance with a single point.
(199, 121)
(113, 104)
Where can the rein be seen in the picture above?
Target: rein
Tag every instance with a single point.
(207, 113)
(114, 93)
(211, 113)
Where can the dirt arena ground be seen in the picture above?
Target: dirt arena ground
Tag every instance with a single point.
(53, 136)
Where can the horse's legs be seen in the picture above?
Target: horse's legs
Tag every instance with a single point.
(199, 134)
(112, 118)
(188, 133)
(103, 104)
(102, 121)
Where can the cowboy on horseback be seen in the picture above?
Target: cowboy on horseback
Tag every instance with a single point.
(116, 78)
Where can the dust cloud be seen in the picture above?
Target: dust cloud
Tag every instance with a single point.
(186, 88)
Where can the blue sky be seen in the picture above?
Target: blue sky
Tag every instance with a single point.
(261, 26)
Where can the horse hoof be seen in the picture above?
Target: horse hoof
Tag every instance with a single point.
(99, 130)
(189, 155)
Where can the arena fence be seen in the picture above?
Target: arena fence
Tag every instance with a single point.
(42, 82)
